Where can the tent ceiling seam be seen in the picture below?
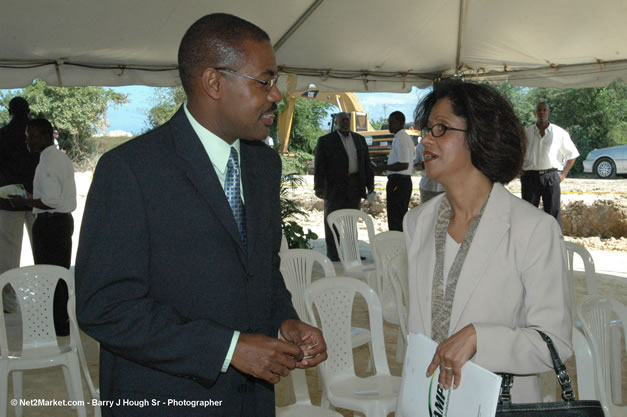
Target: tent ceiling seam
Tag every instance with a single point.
(302, 19)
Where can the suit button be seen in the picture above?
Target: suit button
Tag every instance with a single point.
(242, 388)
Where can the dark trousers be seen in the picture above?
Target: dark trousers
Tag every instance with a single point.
(398, 194)
(52, 245)
(352, 200)
(536, 185)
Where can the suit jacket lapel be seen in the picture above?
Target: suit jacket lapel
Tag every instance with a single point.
(195, 162)
(340, 145)
(492, 229)
(425, 264)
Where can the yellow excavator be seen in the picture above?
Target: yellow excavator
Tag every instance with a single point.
(379, 141)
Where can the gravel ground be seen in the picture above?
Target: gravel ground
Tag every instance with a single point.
(588, 191)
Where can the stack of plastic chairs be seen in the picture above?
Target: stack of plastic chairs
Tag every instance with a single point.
(598, 315)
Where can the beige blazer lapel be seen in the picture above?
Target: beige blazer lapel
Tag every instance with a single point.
(492, 229)
(423, 247)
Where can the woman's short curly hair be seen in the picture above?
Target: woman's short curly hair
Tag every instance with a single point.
(494, 134)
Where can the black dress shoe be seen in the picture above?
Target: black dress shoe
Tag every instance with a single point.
(334, 258)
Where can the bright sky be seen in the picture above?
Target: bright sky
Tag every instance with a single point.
(132, 116)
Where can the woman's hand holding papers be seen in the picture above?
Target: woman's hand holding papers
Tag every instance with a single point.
(452, 354)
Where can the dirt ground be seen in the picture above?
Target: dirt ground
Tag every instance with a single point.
(594, 211)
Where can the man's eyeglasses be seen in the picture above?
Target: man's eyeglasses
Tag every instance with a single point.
(438, 130)
(268, 84)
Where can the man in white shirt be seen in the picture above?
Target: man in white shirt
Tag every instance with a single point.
(399, 170)
(53, 201)
(549, 150)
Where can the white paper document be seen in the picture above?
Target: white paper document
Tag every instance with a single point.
(13, 189)
(477, 395)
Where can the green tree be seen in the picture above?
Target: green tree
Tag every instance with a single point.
(76, 112)
(166, 103)
(378, 123)
(308, 115)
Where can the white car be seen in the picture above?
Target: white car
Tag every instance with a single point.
(607, 162)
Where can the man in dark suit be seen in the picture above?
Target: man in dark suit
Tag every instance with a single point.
(342, 173)
(177, 273)
(17, 166)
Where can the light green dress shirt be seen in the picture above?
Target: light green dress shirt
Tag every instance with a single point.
(218, 151)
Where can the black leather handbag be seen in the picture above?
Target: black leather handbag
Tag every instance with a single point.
(570, 407)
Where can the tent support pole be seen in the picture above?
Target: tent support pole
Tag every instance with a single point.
(57, 67)
(297, 24)
(460, 34)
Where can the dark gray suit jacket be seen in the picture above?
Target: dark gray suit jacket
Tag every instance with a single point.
(331, 166)
(162, 279)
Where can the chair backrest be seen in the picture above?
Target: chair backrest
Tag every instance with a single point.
(589, 270)
(596, 314)
(344, 225)
(297, 269)
(386, 246)
(397, 271)
(34, 287)
(333, 299)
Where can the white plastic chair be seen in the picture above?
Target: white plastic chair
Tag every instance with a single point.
(589, 270)
(397, 272)
(584, 366)
(35, 286)
(297, 269)
(596, 313)
(344, 225)
(303, 406)
(592, 290)
(387, 245)
(375, 396)
(95, 392)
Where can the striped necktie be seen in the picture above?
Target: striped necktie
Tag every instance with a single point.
(232, 190)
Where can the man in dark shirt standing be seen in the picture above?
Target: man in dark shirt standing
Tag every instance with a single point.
(17, 166)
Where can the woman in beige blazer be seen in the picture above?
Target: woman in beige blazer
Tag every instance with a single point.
(485, 268)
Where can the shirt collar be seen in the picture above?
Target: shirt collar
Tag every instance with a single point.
(548, 128)
(217, 149)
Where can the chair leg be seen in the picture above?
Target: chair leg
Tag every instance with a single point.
(324, 401)
(18, 377)
(68, 384)
(400, 347)
(76, 384)
(4, 390)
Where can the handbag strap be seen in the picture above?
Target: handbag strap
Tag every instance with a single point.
(563, 378)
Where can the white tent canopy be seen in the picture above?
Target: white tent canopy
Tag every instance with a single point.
(350, 45)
